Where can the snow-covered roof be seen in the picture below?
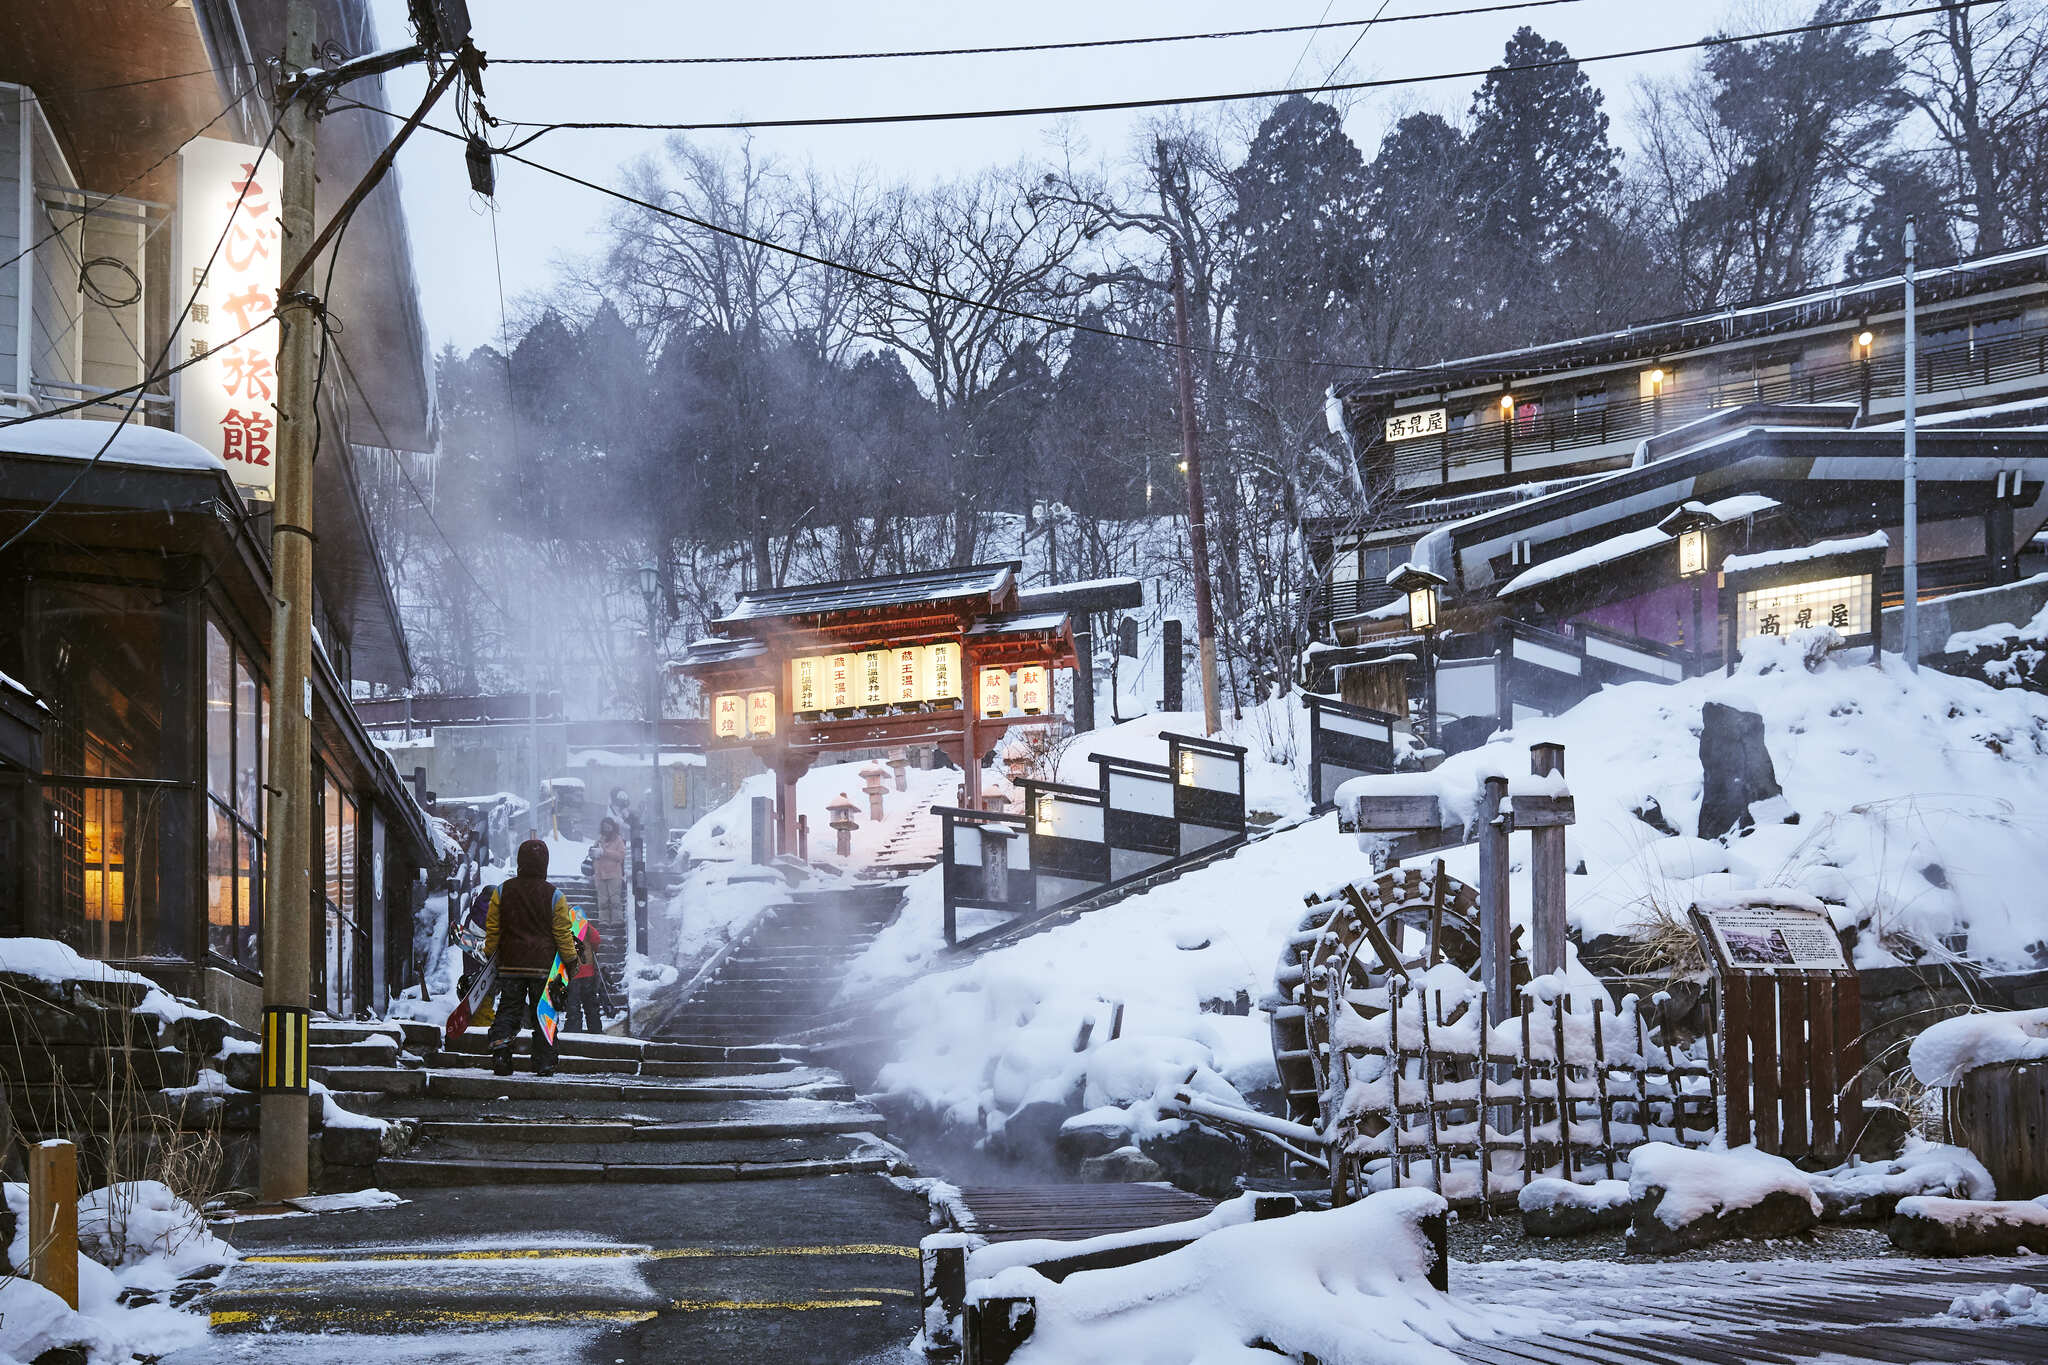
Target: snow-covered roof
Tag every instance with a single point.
(717, 650)
(1019, 623)
(1820, 549)
(126, 443)
(893, 590)
(1630, 542)
(8, 684)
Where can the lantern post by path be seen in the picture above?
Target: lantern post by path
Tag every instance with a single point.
(1689, 524)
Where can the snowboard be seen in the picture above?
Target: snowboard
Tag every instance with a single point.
(554, 996)
(473, 998)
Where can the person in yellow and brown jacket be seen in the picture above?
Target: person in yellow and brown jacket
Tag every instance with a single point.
(528, 922)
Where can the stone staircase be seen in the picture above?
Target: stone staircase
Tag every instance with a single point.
(917, 840)
(779, 981)
(618, 1110)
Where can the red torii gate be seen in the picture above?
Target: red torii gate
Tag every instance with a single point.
(944, 657)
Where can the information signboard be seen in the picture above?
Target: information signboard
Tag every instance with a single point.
(1752, 937)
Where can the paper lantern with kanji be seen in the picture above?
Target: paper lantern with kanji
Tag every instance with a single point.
(995, 692)
(1031, 689)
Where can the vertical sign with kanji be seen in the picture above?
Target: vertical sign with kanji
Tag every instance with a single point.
(227, 401)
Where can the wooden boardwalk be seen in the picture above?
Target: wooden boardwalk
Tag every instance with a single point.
(1745, 1313)
(1009, 1213)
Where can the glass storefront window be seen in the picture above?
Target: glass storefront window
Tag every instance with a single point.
(236, 716)
(114, 663)
(220, 735)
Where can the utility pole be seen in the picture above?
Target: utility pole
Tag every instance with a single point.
(287, 927)
(1911, 633)
(1198, 521)
(288, 889)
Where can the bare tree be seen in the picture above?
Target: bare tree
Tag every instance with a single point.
(1981, 78)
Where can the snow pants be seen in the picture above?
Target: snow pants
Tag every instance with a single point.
(518, 999)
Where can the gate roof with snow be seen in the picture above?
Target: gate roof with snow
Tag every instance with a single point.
(951, 657)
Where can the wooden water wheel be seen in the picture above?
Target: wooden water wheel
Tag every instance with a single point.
(1347, 948)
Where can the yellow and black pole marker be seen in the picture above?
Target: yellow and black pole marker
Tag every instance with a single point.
(287, 1058)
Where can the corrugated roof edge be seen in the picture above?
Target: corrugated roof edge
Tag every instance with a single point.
(797, 589)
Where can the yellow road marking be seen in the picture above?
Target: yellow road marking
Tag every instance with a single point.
(773, 1305)
(238, 1317)
(852, 1249)
(582, 1253)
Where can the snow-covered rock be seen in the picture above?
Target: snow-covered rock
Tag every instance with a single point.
(1565, 1208)
(1871, 1189)
(1931, 1225)
(1686, 1197)
(1348, 1286)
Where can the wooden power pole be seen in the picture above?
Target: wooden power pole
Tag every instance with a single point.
(1198, 520)
(287, 920)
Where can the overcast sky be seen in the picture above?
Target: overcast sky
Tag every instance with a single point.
(543, 221)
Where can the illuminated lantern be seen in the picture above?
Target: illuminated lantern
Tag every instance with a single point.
(1044, 814)
(1031, 689)
(838, 682)
(806, 680)
(874, 678)
(995, 692)
(906, 677)
(728, 715)
(942, 673)
(761, 713)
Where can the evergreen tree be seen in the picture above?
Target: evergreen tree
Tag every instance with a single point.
(1902, 190)
(1299, 228)
(1541, 172)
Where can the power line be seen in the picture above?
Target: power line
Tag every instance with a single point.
(170, 340)
(39, 94)
(1319, 26)
(1332, 74)
(1328, 88)
(139, 177)
(862, 272)
(1294, 70)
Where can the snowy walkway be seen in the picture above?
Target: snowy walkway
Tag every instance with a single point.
(1722, 1312)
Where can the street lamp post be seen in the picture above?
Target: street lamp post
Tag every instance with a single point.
(650, 584)
(1507, 427)
(1421, 587)
(1656, 401)
(1690, 524)
(1863, 340)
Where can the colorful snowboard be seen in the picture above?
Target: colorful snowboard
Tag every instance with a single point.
(555, 995)
(473, 999)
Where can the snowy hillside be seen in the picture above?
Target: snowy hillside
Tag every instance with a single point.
(1915, 804)
(1920, 804)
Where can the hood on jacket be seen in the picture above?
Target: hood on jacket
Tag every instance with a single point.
(533, 859)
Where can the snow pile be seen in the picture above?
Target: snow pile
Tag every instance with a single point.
(46, 959)
(144, 1256)
(2015, 1304)
(1348, 1286)
(1945, 1051)
(980, 1041)
(1915, 795)
(2033, 631)
(1698, 1184)
(1602, 1196)
(1976, 1214)
(726, 834)
(1922, 1168)
(993, 1258)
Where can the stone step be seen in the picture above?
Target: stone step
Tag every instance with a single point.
(397, 1173)
(657, 1151)
(686, 1052)
(841, 1119)
(353, 1054)
(564, 1065)
(480, 1084)
(409, 1034)
(477, 1042)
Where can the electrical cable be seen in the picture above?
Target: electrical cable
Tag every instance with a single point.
(39, 94)
(1295, 70)
(139, 177)
(1319, 25)
(1331, 75)
(1111, 106)
(170, 340)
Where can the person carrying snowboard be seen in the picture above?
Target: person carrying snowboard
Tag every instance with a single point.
(528, 923)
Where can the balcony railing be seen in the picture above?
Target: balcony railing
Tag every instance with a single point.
(1457, 454)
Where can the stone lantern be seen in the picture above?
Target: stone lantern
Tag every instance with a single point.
(1017, 761)
(900, 762)
(874, 778)
(843, 823)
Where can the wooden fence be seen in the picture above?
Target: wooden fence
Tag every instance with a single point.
(1793, 1049)
(1565, 1088)
(1072, 842)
